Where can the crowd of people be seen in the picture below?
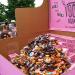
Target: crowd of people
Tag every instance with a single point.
(8, 30)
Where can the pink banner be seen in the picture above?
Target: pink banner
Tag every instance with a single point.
(62, 16)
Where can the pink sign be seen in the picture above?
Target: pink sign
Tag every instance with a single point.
(62, 16)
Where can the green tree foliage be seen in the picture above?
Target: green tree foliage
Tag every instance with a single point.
(8, 12)
(2, 12)
(13, 4)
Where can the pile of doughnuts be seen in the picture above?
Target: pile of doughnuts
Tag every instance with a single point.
(41, 57)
